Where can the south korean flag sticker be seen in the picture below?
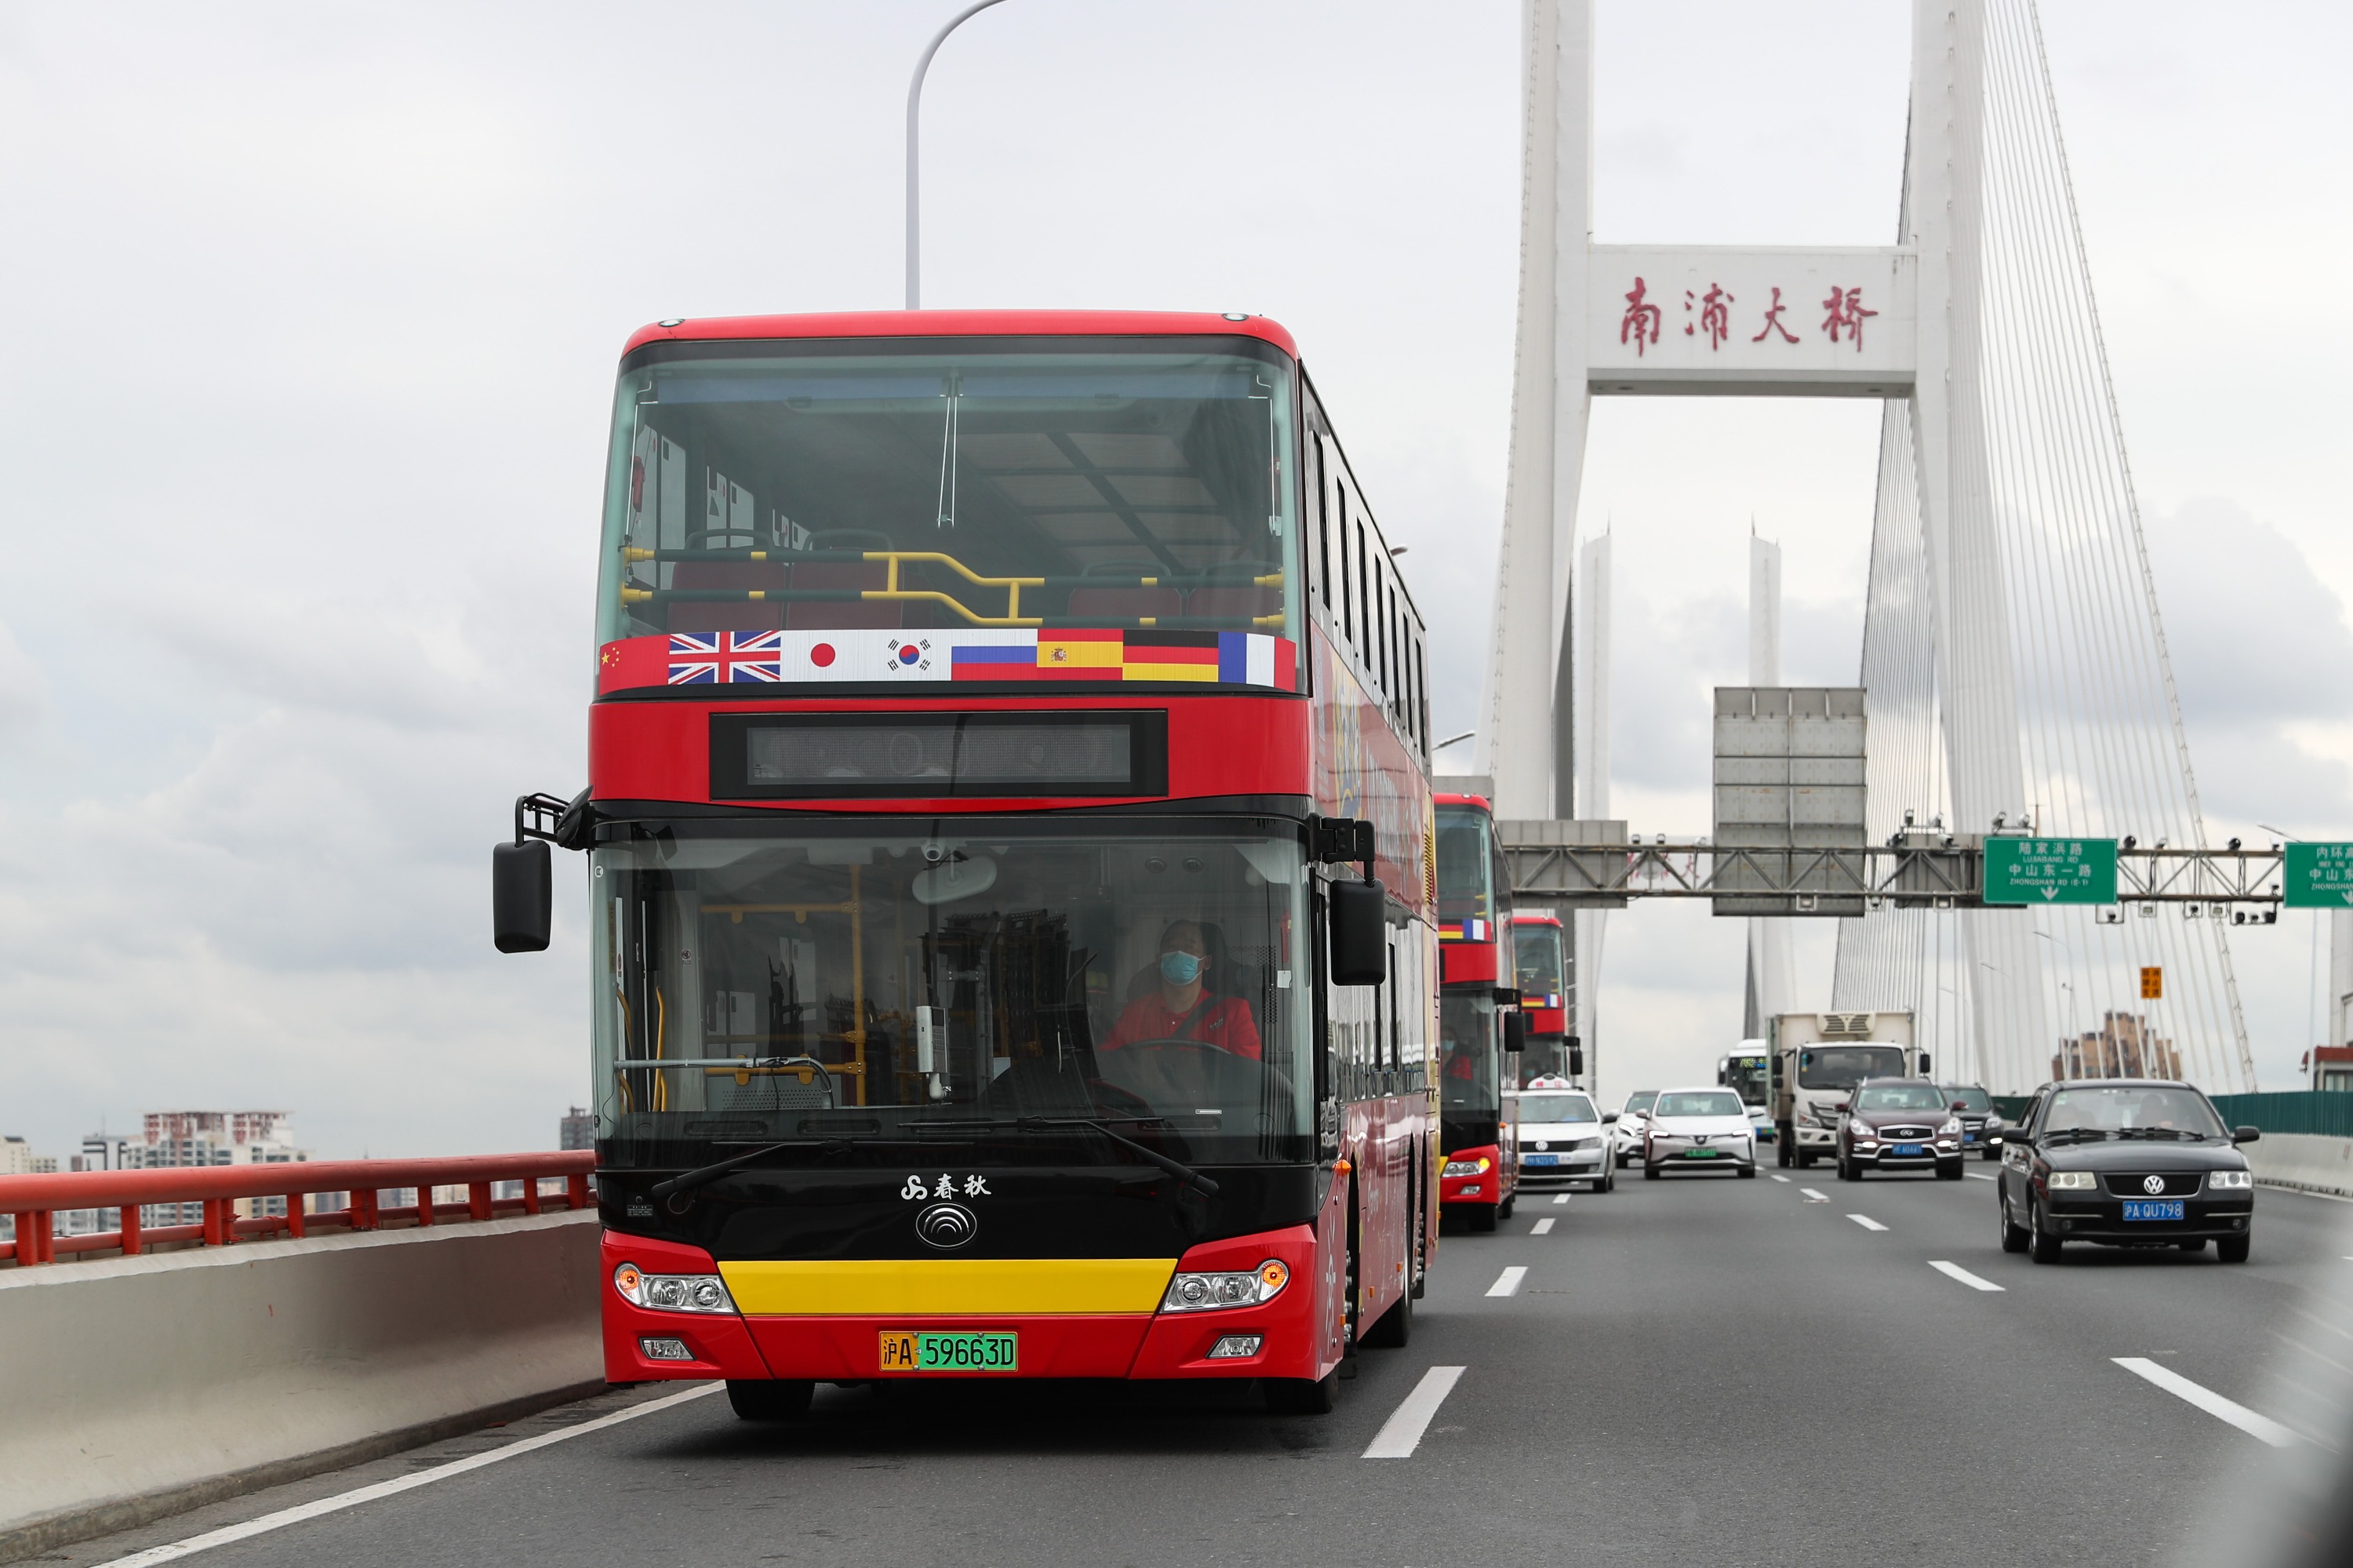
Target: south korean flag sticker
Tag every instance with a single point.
(911, 658)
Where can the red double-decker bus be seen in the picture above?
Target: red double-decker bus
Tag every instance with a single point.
(1540, 962)
(1010, 862)
(1480, 1026)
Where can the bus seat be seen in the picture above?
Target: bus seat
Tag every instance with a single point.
(844, 615)
(1242, 603)
(694, 615)
(1122, 604)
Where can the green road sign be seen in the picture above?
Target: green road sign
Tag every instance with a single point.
(2050, 871)
(2319, 876)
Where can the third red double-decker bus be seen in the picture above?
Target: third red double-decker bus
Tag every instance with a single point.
(1010, 862)
(1479, 1022)
(1540, 960)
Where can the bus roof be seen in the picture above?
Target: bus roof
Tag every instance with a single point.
(1478, 801)
(1534, 917)
(969, 323)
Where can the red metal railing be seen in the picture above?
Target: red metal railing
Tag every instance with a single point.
(35, 1200)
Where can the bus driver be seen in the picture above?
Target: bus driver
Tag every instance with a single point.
(1184, 1007)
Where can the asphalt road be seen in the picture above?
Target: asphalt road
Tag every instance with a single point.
(1694, 1371)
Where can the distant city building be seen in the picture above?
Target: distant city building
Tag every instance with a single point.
(577, 1130)
(172, 1140)
(18, 1158)
(2123, 1048)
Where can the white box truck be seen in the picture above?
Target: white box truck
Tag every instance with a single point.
(1818, 1058)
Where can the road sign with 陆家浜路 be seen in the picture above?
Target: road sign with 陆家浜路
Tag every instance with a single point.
(2319, 876)
(2050, 871)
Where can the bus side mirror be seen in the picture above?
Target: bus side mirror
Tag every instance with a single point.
(1358, 918)
(1575, 1055)
(1720, 1076)
(1515, 1032)
(523, 896)
(1924, 1071)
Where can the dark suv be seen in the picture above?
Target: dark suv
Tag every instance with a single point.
(2126, 1162)
(1981, 1123)
(1898, 1124)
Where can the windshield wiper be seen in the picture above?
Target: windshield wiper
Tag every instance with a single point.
(686, 1183)
(2157, 1132)
(1183, 1172)
(2077, 1133)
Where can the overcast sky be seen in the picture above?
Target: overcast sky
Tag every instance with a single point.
(313, 318)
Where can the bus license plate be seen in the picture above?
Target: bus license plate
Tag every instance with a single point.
(905, 1350)
(2153, 1209)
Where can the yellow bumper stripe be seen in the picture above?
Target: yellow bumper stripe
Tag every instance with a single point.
(924, 1286)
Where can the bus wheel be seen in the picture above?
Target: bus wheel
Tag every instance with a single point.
(768, 1399)
(1394, 1327)
(1299, 1395)
(1503, 1208)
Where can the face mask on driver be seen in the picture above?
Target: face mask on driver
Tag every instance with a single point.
(1179, 968)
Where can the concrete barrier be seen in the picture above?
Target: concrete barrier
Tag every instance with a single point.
(2305, 1162)
(134, 1388)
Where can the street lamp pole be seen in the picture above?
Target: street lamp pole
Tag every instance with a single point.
(914, 133)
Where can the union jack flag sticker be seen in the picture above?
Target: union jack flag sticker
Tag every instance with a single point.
(724, 658)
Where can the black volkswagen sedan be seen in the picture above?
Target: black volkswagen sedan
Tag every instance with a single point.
(2125, 1163)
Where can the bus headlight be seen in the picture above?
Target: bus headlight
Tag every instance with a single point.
(1215, 1292)
(672, 1292)
(1464, 1167)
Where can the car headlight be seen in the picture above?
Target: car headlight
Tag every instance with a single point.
(1952, 1125)
(2230, 1180)
(1465, 1167)
(1866, 1135)
(2071, 1182)
(672, 1292)
(1992, 1120)
(1216, 1292)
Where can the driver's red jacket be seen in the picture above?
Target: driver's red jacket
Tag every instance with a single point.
(1224, 1021)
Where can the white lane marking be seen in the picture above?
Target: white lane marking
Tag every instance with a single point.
(1541, 1227)
(1777, 1177)
(1401, 1433)
(1562, 1198)
(1866, 1222)
(1812, 1196)
(1955, 1271)
(1981, 1176)
(1508, 1282)
(172, 1551)
(2207, 1400)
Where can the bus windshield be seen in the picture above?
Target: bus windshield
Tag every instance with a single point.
(1465, 869)
(883, 484)
(1745, 1076)
(873, 980)
(1467, 1052)
(1844, 1066)
(1536, 948)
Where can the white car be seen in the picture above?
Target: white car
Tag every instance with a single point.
(1626, 1121)
(1698, 1127)
(1560, 1137)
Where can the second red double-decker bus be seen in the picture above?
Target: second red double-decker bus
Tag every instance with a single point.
(1479, 1021)
(998, 718)
(1540, 960)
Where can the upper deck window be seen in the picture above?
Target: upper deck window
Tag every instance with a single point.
(1131, 484)
(1537, 952)
(1465, 866)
